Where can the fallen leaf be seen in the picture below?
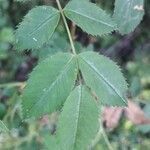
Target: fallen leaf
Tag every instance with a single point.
(111, 116)
(135, 114)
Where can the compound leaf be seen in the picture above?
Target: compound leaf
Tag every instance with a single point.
(104, 78)
(37, 27)
(49, 85)
(89, 17)
(78, 120)
(128, 14)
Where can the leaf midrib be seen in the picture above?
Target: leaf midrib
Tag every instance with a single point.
(78, 112)
(53, 83)
(99, 21)
(104, 79)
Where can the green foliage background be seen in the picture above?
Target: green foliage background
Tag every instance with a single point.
(131, 51)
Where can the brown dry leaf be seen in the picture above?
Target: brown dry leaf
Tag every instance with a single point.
(135, 114)
(111, 116)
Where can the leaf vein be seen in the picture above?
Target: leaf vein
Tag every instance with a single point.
(103, 78)
(54, 82)
(42, 24)
(102, 22)
(78, 114)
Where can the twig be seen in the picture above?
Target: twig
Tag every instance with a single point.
(106, 138)
(14, 84)
(66, 26)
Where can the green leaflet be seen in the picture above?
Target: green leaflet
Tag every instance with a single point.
(82, 0)
(22, 0)
(3, 127)
(37, 27)
(78, 122)
(89, 17)
(50, 142)
(49, 85)
(103, 76)
(128, 14)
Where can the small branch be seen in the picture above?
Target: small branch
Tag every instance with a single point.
(106, 138)
(73, 30)
(97, 138)
(101, 133)
(10, 85)
(66, 26)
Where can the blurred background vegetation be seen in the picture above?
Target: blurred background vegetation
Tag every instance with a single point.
(126, 129)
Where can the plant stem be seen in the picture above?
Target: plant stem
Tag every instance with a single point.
(96, 140)
(66, 26)
(101, 133)
(9, 85)
(73, 30)
(105, 137)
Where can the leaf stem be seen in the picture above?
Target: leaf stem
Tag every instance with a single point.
(66, 26)
(101, 133)
(96, 140)
(15, 84)
(105, 137)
